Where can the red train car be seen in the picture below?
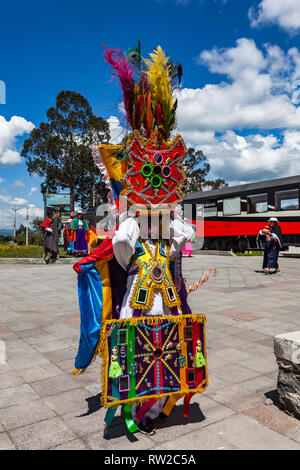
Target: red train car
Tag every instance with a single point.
(231, 217)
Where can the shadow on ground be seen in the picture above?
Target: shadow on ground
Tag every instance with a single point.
(93, 405)
(118, 427)
(273, 395)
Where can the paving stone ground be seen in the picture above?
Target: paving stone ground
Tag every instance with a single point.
(43, 407)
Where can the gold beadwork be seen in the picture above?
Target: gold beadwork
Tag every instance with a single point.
(147, 263)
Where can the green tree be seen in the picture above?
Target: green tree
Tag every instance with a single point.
(60, 150)
(36, 224)
(197, 169)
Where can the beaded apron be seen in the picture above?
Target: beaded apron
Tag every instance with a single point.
(153, 274)
(158, 356)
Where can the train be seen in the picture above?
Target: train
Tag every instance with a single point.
(233, 215)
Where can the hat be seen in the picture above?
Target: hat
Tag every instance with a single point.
(273, 219)
(79, 212)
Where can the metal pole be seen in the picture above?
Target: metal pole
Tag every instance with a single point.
(15, 220)
(27, 226)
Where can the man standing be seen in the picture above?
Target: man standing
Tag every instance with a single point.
(51, 236)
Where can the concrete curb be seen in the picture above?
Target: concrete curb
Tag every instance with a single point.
(37, 261)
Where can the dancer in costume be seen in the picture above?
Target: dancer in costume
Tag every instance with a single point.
(80, 234)
(68, 242)
(131, 287)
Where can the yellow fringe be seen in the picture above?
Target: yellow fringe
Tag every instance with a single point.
(77, 371)
(200, 318)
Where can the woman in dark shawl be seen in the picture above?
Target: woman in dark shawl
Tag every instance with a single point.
(51, 237)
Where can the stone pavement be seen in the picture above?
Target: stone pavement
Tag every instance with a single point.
(43, 407)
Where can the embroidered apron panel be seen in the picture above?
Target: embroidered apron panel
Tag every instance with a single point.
(152, 357)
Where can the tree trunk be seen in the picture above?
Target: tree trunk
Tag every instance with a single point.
(71, 198)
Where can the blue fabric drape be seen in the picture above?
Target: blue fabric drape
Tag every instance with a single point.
(90, 304)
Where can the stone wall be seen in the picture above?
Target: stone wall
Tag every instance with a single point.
(287, 352)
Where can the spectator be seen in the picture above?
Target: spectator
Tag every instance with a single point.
(51, 235)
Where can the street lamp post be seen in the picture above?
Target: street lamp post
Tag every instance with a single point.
(27, 226)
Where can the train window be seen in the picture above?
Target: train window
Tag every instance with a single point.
(232, 206)
(287, 200)
(210, 209)
(257, 203)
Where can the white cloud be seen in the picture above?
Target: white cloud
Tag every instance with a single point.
(285, 13)
(257, 93)
(117, 132)
(19, 184)
(1, 180)
(33, 189)
(254, 157)
(17, 201)
(7, 215)
(9, 131)
(32, 211)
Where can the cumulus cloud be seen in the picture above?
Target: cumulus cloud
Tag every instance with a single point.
(257, 92)
(9, 132)
(285, 13)
(33, 211)
(7, 215)
(33, 189)
(17, 201)
(19, 184)
(253, 157)
(247, 124)
(117, 132)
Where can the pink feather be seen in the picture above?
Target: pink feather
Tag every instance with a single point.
(125, 73)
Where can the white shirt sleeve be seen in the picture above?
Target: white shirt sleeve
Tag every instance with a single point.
(124, 241)
(275, 237)
(180, 234)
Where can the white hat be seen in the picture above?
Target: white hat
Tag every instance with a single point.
(273, 219)
(79, 212)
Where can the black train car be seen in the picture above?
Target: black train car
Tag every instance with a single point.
(233, 215)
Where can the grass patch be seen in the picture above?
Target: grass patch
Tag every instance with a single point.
(23, 251)
(249, 253)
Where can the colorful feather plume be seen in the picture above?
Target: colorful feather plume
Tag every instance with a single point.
(149, 101)
(160, 82)
(125, 73)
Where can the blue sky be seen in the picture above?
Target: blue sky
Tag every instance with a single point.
(240, 59)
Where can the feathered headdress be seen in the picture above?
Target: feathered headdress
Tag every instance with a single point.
(149, 166)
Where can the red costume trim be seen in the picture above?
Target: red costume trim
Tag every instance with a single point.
(103, 251)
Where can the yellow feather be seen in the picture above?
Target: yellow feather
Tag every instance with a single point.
(159, 77)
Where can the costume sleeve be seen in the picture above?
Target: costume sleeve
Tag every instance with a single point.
(124, 241)
(180, 234)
